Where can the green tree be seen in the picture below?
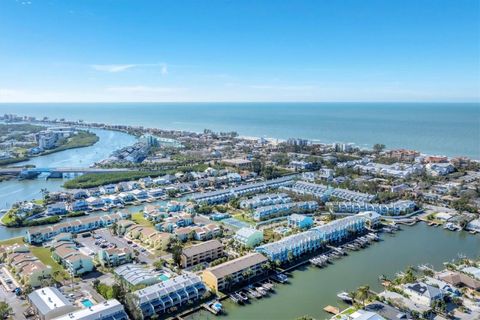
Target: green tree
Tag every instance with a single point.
(378, 147)
(5, 310)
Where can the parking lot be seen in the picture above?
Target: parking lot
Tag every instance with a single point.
(104, 239)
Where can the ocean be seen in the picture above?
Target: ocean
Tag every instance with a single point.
(451, 129)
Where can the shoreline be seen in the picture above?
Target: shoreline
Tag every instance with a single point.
(178, 129)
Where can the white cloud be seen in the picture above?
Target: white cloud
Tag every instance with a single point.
(284, 87)
(144, 89)
(115, 68)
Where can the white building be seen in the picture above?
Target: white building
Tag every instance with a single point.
(249, 237)
(107, 310)
(50, 303)
(422, 293)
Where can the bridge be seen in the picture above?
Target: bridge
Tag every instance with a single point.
(55, 172)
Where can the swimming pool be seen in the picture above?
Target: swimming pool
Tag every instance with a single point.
(163, 277)
(87, 303)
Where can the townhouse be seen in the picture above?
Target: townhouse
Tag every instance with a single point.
(42, 234)
(268, 212)
(265, 200)
(309, 241)
(396, 208)
(159, 298)
(148, 236)
(27, 268)
(226, 275)
(67, 254)
(323, 193)
(221, 196)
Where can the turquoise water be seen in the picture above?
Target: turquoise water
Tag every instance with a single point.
(436, 128)
(87, 303)
(163, 277)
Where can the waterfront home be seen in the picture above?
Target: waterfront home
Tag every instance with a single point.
(112, 199)
(228, 274)
(113, 257)
(365, 315)
(373, 218)
(300, 221)
(79, 205)
(107, 189)
(248, 237)
(95, 202)
(59, 208)
(474, 225)
(107, 310)
(159, 298)
(49, 303)
(80, 194)
(473, 271)
(459, 279)
(126, 197)
(422, 293)
(311, 240)
(445, 287)
(94, 192)
(200, 253)
(76, 263)
(140, 194)
(135, 274)
(40, 234)
(400, 207)
(156, 192)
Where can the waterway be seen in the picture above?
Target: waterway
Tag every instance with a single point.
(311, 289)
(14, 190)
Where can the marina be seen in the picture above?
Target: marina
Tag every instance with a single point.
(412, 246)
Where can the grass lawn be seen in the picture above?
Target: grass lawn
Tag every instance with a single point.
(11, 241)
(7, 218)
(245, 218)
(138, 218)
(44, 255)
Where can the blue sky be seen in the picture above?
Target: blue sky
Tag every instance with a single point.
(244, 50)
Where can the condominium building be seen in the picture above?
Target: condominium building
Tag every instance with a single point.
(135, 274)
(309, 241)
(108, 310)
(400, 207)
(42, 234)
(323, 193)
(160, 298)
(268, 212)
(265, 200)
(221, 196)
(228, 274)
(202, 252)
(114, 256)
(49, 303)
(75, 262)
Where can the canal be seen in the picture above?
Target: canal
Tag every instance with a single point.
(14, 190)
(311, 289)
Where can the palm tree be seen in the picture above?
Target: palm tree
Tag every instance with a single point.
(363, 294)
